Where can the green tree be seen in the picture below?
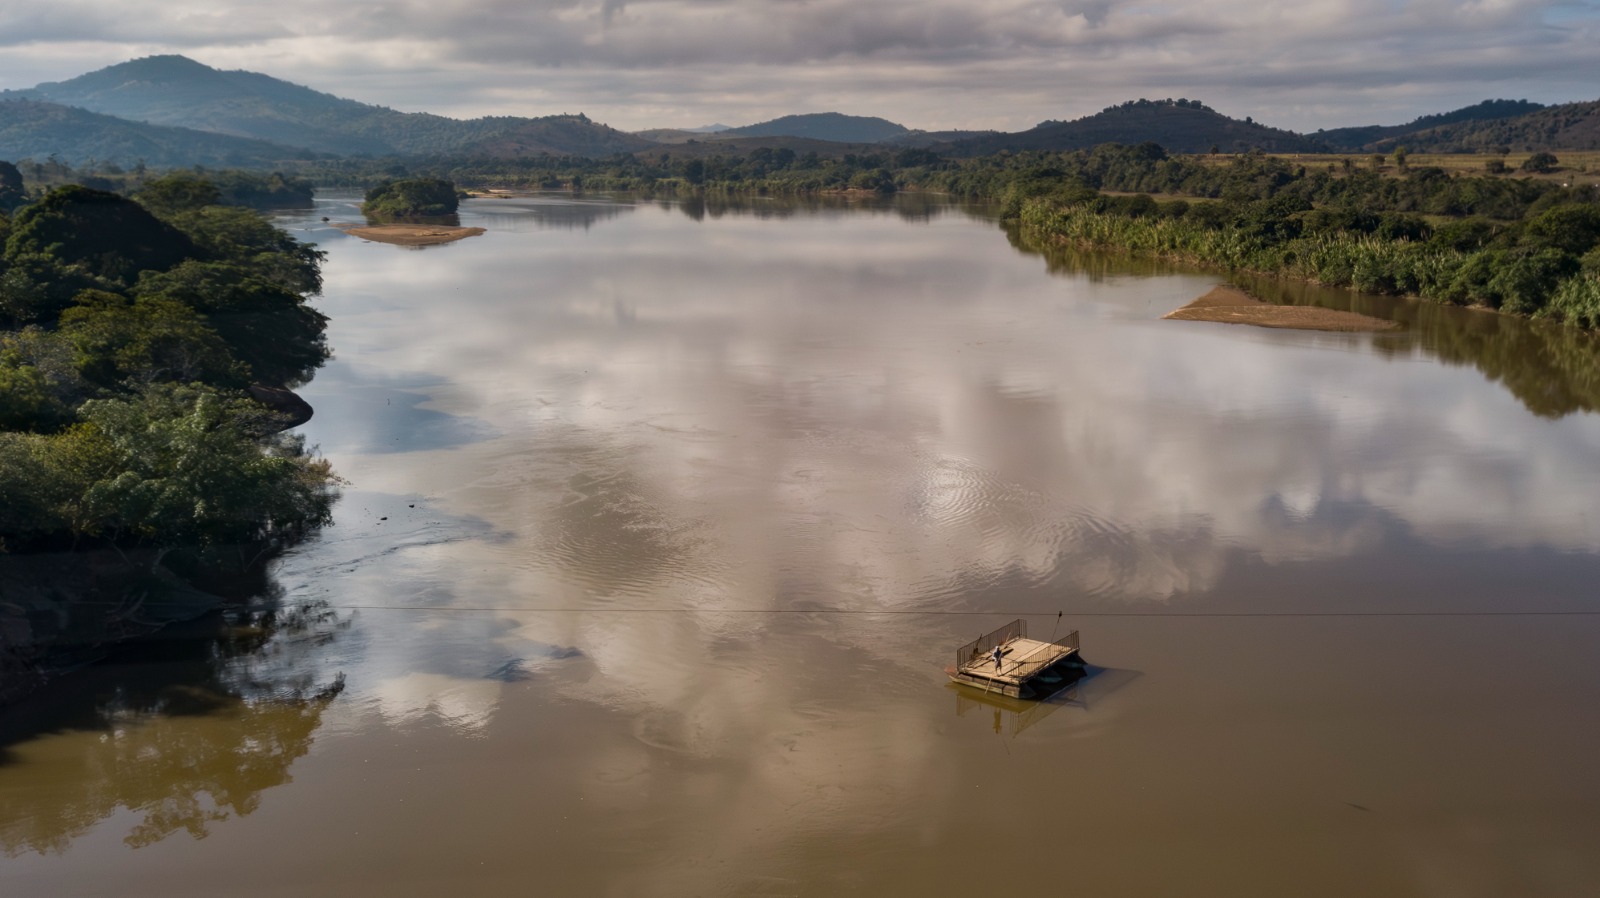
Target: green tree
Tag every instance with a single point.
(269, 328)
(177, 192)
(102, 233)
(1572, 228)
(150, 339)
(184, 464)
(12, 193)
(411, 197)
(1540, 163)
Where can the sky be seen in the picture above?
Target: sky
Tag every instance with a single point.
(932, 64)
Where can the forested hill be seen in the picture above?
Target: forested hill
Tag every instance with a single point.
(177, 91)
(1181, 126)
(1570, 126)
(1369, 137)
(834, 126)
(33, 130)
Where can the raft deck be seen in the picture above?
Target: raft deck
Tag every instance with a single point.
(1028, 668)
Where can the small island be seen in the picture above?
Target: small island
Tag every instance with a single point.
(411, 197)
(1230, 305)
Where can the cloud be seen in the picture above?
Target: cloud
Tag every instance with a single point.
(929, 63)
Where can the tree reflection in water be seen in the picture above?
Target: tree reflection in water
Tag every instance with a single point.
(186, 731)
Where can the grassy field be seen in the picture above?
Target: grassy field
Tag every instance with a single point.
(1577, 167)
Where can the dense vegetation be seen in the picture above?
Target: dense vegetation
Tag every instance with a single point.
(411, 197)
(234, 187)
(1522, 246)
(130, 332)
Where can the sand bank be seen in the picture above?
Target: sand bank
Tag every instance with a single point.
(413, 235)
(1230, 305)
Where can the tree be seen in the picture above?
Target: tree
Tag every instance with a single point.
(1573, 228)
(12, 193)
(104, 234)
(411, 197)
(151, 339)
(176, 465)
(1540, 163)
(178, 191)
(266, 326)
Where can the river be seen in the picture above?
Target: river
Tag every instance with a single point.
(664, 519)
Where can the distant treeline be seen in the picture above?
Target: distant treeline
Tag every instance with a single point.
(1145, 168)
(235, 187)
(1518, 244)
(1497, 241)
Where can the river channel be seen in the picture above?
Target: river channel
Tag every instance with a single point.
(663, 520)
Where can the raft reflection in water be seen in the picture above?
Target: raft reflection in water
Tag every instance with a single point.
(1087, 687)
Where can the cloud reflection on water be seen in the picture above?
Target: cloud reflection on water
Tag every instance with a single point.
(828, 411)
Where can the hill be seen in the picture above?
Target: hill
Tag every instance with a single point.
(1181, 126)
(1360, 139)
(1570, 126)
(177, 91)
(833, 126)
(34, 130)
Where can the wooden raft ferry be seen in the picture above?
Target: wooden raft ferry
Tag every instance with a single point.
(1006, 662)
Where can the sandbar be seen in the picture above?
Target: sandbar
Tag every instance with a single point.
(413, 235)
(1230, 305)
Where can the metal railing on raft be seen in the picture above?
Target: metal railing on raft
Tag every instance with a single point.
(1023, 668)
(979, 648)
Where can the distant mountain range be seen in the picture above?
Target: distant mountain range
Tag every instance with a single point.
(172, 111)
(1379, 136)
(38, 131)
(1569, 126)
(177, 91)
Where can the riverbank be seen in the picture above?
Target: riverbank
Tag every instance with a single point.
(1227, 304)
(413, 235)
(1525, 281)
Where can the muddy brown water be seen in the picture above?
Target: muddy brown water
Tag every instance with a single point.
(664, 519)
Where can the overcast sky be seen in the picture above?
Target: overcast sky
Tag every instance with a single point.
(933, 64)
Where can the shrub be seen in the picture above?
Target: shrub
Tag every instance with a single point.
(1540, 163)
(1577, 300)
